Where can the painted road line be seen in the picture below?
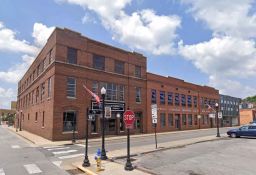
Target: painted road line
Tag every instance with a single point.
(32, 168)
(57, 163)
(2, 171)
(64, 152)
(51, 149)
(15, 146)
(47, 147)
(71, 156)
(82, 145)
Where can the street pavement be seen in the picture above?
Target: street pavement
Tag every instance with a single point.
(18, 157)
(219, 157)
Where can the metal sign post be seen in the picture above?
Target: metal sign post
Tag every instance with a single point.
(86, 162)
(154, 119)
(129, 118)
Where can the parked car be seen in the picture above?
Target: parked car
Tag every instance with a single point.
(246, 130)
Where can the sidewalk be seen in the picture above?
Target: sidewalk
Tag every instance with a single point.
(113, 167)
(40, 141)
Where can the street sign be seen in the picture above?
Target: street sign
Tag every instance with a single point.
(154, 121)
(212, 115)
(129, 118)
(219, 114)
(91, 117)
(154, 113)
(107, 112)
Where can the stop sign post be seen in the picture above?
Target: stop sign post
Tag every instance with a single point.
(129, 119)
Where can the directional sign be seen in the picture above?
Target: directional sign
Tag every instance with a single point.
(129, 118)
(212, 115)
(219, 114)
(154, 113)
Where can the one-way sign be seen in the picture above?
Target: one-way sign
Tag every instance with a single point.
(154, 113)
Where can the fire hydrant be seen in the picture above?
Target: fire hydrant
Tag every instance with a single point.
(98, 161)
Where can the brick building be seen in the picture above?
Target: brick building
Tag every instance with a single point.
(52, 100)
(247, 116)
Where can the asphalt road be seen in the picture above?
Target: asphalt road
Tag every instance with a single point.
(69, 152)
(18, 157)
(234, 156)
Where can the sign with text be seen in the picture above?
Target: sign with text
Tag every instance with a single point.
(219, 114)
(115, 106)
(211, 115)
(129, 118)
(154, 113)
(107, 112)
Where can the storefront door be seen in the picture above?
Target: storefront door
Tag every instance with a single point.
(177, 121)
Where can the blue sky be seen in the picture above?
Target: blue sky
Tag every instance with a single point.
(209, 42)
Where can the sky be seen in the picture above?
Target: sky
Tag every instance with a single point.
(206, 42)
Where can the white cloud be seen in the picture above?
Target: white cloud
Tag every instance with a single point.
(15, 73)
(41, 33)
(9, 42)
(228, 17)
(224, 59)
(6, 95)
(231, 87)
(143, 30)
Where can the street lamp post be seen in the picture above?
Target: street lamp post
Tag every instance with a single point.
(103, 152)
(74, 128)
(86, 162)
(217, 119)
(20, 119)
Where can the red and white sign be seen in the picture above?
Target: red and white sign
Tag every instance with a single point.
(129, 118)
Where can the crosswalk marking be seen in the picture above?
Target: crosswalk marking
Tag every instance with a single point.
(2, 171)
(51, 149)
(15, 146)
(46, 147)
(57, 163)
(70, 156)
(32, 168)
(82, 145)
(64, 152)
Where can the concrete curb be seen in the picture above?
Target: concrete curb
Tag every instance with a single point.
(17, 133)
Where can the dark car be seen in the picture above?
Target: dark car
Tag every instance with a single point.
(247, 130)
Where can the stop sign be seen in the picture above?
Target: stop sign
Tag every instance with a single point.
(129, 119)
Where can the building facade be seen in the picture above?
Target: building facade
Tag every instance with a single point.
(230, 110)
(247, 116)
(52, 101)
(181, 105)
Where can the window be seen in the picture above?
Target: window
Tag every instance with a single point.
(36, 117)
(138, 94)
(38, 71)
(49, 87)
(32, 97)
(138, 71)
(162, 97)
(42, 90)
(205, 119)
(189, 101)
(99, 62)
(50, 56)
(162, 120)
(190, 122)
(28, 116)
(153, 96)
(195, 119)
(177, 99)
(119, 67)
(170, 99)
(69, 121)
(43, 120)
(37, 94)
(71, 87)
(184, 119)
(195, 101)
(72, 56)
(121, 93)
(183, 100)
(170, 120)
(44, 63)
